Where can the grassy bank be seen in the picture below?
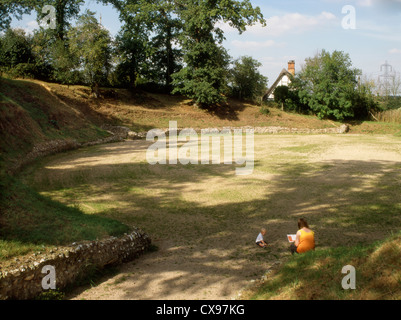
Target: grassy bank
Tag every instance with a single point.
(31, 222)
(31, 114)
(318, 274)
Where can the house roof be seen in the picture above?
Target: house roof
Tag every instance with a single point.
(283, 73)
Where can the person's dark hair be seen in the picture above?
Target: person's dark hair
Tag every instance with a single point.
(302, 223)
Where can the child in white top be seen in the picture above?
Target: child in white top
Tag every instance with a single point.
(260, 241)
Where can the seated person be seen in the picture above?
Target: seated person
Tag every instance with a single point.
(305, 238)
(260, 241)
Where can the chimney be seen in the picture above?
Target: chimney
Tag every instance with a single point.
(291, 67)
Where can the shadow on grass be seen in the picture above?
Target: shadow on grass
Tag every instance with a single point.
(28, 217)
(227, 111)
(347, 203)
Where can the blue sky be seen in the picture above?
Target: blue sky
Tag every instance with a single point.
(297, 29)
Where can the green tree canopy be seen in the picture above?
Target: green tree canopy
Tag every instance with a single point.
(15, 48)
(146, 41)
(12, 8)
(328, 84)
(133, 50)
(92, 45)
(194, 23)
(246, 81)
(281, 94)
(65, 10)
(203, 77)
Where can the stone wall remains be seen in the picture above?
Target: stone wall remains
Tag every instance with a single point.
(119, 133)
(28, 278)
(344, 128)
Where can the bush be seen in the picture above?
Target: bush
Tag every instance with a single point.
(264, 110)
(389, 103)
(281, 94)
(328, 85)
(23, 70)
(51, 295)
(246, 81)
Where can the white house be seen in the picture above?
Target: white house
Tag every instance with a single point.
(284, 79)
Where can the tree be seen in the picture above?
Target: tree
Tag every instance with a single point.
(145, 43)
(395, 85)
(10, 8)
(166, 60)
(194, 23)
(328, 85)
(15, 49)
(42, 48)
(133, 50)
(203, 76)
(292, 101)
(64, 63)
(363, 100)
(65, 10)
(281, 94)
(92, 45)
(53, 60)
(246, 81)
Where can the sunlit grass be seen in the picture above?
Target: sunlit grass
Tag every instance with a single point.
(127, 184)
(318, 274)
(349, 202)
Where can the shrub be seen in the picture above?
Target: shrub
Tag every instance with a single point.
(264, 110)
(23, 70)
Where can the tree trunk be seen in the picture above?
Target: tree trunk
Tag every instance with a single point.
(95, 90)
(170, 58)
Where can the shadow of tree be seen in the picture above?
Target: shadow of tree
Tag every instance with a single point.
(347, 202)
(227, 111)
(205, 218)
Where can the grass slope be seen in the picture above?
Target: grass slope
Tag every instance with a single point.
(30, 113)
(318, 275)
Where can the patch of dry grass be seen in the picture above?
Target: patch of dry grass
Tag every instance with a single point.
(334, 181)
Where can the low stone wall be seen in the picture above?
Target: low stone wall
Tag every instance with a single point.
(56, 146)
(24, 281)
(120, 133)
(23, 278)
(257, 130)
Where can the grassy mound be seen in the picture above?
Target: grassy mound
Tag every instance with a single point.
(318, 274)
(30, 114)
(30, 222)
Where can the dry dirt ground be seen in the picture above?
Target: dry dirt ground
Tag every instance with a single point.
(204, 219)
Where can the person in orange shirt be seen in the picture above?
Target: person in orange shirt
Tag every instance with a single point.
(305, 238)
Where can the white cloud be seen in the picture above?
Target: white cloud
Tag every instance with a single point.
(395, 51)
(365, 3)
(28, 27)
(288, 23)
(31, 25)
(256, 44)
(293, 23)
